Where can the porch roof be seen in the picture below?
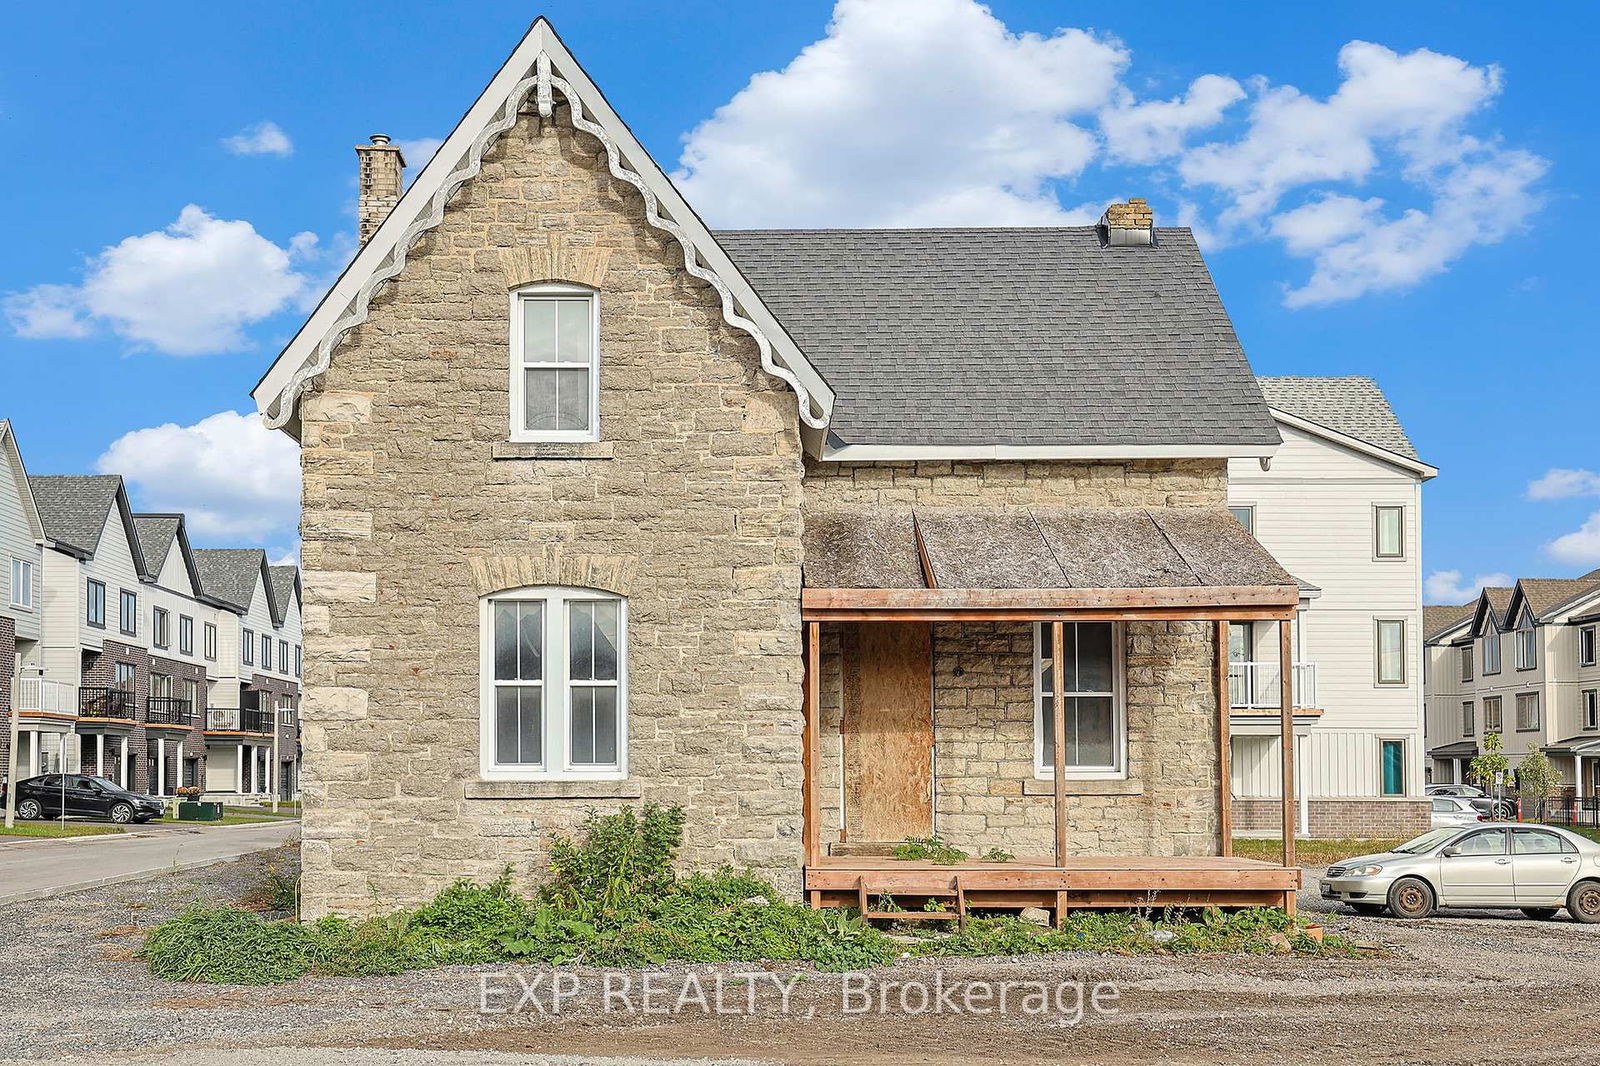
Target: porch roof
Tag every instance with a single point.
(1040, 563)
(1461, 749)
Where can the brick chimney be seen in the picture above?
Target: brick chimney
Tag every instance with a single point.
(381, 164)
(1128, 224)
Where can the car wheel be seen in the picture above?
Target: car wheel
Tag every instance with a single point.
(1370, 910)
(1540, 914)
(121, 813)
(1410, 897)
(30, 810)
(1583, 903)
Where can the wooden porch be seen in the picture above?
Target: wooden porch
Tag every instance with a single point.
(1223, 576)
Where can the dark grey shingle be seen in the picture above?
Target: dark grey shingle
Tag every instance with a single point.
(155, 533)
(73, 508)
(1020, 337)
(230, 574)
(280, 586)
(1354, 406)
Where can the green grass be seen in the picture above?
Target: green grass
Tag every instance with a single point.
(261, 812)
(56, 829)
(1312, 852)
(226, 819)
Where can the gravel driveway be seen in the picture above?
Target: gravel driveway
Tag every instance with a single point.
(1452, 988)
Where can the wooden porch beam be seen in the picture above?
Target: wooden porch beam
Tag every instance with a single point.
(1286, 729)
(1202, 596)
(811, 807)
(813, 613)
(1058, 649)
(1224, 744)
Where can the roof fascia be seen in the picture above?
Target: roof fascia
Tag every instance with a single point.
(539, 65)
(1423, 471)
(867, 453)
(126, 510)
(1441, 635)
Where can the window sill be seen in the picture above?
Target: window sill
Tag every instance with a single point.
(540, 449)
(1084, 786)
(504, 790)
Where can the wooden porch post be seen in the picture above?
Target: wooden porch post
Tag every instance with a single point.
(1224, 745)
(1058, 655)
(1286, 727)
(810, 807)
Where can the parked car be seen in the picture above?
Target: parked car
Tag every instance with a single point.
(1455, 790)
(1456, 811)
(1485, 803)
(90, 797)
(1537, 869)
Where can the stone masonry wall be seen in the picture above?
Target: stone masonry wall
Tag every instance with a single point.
(986, 793)
(415, 506)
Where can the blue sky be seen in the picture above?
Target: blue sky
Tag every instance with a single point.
(1391, 190)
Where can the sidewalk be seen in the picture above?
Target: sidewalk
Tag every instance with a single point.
(35, 869)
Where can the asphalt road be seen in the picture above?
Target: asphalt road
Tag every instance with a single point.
(34, 869)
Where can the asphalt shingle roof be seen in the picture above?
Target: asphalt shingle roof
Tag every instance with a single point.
(281, 587)
(1545, 593)
(229, 574)
(1354, 406)
(73, 508)
(1020, 337)
(1436, 619)
(155, 533)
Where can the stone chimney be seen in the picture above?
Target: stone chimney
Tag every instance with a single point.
(1128, 224)
(381, 165)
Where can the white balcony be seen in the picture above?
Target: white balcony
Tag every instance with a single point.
(1256, 686)
(35, 695)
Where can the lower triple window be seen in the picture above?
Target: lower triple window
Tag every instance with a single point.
(1095, 718)
(554, 684)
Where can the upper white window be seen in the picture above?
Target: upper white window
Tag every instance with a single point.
(1246, 514)
(555, 364)
(1491, 653)
(1389, 532)
(1586, 646)
(553, 689)
(1096, 717)
(22, 584)
(1527, 644)
(1391, 642)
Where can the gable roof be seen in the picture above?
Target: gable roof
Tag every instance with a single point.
(283, 585)
(1546, 596)
(538, 68)
(1440, 619)
(1354, 406)
(1491, 605)
(984, 340)
(19, 473)
(155, 533)
(230, 575)
(74, 507)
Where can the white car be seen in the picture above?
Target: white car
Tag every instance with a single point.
(1535, 868)
(1453, 812)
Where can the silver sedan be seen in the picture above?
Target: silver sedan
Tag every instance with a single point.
(1534, 868)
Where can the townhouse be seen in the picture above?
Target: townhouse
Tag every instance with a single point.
(114, 646)
(1521, 662)
(1340, 506)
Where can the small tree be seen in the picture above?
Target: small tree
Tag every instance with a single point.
(1489, 769)
(1537, 781)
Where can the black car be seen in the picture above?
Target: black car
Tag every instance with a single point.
(92, 797)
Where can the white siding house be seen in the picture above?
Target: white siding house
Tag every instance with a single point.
(1340, 506)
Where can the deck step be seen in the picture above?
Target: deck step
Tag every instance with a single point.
(914, 916)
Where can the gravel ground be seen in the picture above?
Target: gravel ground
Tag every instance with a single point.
(1450, 989)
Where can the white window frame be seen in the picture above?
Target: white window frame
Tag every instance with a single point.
(21, 584)
(1250, 510)
(1377, 532)
(1589, 635)
(556, 686)
(1046, 771)
(516, 365)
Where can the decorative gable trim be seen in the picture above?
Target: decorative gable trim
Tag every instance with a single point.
(540, 66)
(557, 261)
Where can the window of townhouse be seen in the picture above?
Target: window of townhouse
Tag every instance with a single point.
(1465, 654)
(555, 363)
(185, 635)
(1491, 653)
(128, 614)
(1392, 766)
(1095, 709)
(1527, 644)
(1246, 514)
(266, 651)
(160, 627)
(1469, 727)
(1390, 635)
(22, 584)
(95, 599)
(1586, 646)
(1388, 532)
(1493, 720)
(247, 647)
(211, 642)
(553, 685)
(1527, 712)
(1590, 699)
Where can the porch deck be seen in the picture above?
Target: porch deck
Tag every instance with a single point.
(1038, 881)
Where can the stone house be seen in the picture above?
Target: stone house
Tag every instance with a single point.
(790, 528)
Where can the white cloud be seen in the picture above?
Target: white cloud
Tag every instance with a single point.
(1561, 484)
(417, 152)
(283, 556)
(264, 138)
(188, 289)
(1147, 132)
(932, 112)
(232, 476)
(1580, 547)
(908, 112)
(1447, 586)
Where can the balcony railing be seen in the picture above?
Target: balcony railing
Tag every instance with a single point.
(235, 719)
(39, 696)
(168, 710)
(100, 701)
(1256, 686)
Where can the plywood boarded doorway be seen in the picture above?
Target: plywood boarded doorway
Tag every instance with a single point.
(888, 731)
